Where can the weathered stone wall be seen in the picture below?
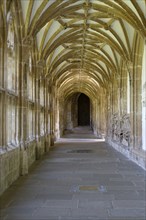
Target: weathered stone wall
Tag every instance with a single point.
(38, 102)
(125, 114)
(15, 161)
(139, 157)
(9, 167)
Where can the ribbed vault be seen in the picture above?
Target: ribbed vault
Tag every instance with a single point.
(87, 36)
(77, 83)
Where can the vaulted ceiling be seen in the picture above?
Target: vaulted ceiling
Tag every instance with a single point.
(83, 40)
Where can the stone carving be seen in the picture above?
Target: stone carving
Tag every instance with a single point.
(125, 130)
(115, 126)
(120, 128)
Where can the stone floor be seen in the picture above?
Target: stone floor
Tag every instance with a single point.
(81, 178)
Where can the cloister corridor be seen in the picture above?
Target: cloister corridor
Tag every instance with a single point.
(81, 178)
(73, 109)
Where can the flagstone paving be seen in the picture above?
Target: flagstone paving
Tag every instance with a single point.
(81, 178)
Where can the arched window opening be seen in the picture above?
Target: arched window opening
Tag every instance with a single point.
(11, 56)
(83, 110)
(11, 84)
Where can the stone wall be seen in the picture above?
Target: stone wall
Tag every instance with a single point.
(9, 168)
(139, 157)
(16, 161)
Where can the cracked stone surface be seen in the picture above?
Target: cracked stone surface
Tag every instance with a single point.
(97, 184)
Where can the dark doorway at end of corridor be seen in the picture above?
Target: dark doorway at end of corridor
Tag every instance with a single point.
(83, 110)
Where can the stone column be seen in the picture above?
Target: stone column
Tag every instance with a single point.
(39, 75)
(132, 102)
(23, 103)
(47, 138)
(52, 115)
(144, 100)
